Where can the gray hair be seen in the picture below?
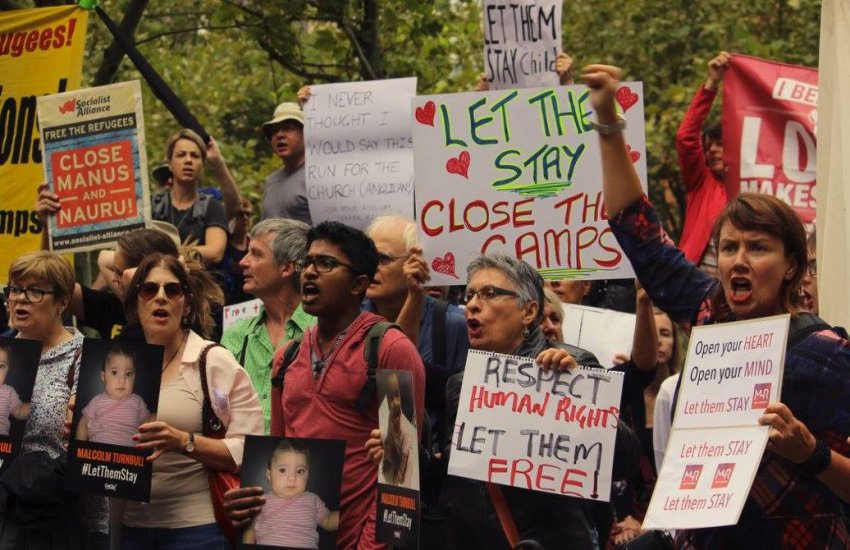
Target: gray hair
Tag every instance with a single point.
(411, 238)
(526, 279)
(290, 238)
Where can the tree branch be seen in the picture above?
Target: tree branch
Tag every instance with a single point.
(195, 29)
(114, 54)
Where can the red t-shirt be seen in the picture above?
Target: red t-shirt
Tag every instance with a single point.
(326, 408)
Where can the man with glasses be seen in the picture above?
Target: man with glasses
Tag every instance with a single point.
(320, 396)
(285, 190)
(270, 274)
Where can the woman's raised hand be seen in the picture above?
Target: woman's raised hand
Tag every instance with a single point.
(602, 81)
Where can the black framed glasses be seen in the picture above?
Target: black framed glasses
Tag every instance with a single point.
(32, 294)
(387, 259)
(173, 291)
(324, 264)
(487, 292)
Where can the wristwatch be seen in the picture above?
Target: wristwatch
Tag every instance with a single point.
(819, 461)
(609, 129)
(190, 445)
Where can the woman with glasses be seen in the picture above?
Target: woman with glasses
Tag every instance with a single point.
(166, 299)
(38, 293)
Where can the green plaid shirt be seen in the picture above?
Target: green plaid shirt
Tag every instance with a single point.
(248, 341)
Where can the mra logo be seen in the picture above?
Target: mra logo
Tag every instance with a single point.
(722, 475)
(691, 476)
(761, 395)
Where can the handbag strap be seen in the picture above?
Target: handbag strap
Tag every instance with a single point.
(503, 512)
(211, 425)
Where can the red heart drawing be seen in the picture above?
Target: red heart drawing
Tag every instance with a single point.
(459, 165)
(445, 265)
(626, 98)
(425, 115)
(634, 155)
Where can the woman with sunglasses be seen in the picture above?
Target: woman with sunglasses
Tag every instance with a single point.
(166, 299)
(39, 290)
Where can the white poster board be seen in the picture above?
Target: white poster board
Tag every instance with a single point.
(359, 152)
(733, 370)
(603, 332)
(522, 38)
(518, 172)
(544, 431)
(237, 312)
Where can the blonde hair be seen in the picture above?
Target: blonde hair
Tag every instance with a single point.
(45, 266)
(189, 135)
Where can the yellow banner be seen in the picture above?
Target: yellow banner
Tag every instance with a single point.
(41, 52)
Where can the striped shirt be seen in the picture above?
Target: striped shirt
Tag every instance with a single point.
(9, 404)
(115, 421)
(290, 522)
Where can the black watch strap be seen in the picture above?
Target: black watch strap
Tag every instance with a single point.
(819, 461)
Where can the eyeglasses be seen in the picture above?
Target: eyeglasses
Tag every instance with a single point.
(324, 264)
(34, 295)
(813, 268)
(487, 293)
(173, 291)
(387, 259)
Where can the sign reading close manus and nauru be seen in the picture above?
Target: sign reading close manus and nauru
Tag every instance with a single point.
(544, 431)
(95, 160)
(518, 172)
(522, 38)
(769, 126)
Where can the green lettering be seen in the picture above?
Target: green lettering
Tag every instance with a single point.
(509, 167)
(447, 128)
(500, 106)
(474, 124)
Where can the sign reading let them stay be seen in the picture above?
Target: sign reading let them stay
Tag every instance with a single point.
(359, 152)
(732, 372)
(545, 431)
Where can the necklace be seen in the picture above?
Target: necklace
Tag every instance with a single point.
(320, 357)
(173, 355)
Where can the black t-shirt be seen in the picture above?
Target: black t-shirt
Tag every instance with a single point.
(102, 311)
(188, 225)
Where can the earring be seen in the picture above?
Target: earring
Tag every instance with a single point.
(525, 331)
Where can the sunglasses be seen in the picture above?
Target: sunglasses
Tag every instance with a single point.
(173, 291)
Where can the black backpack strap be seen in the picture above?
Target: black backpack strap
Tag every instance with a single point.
(161, 205)
(288, 358)
(803, 325)
(438, 333)
(199, 210)
(244, 349)
(370, 353)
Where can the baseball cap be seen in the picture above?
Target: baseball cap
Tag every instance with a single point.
(283, 112)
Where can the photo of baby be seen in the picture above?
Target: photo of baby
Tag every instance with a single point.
(301, 477)
(10, 402)
(400, 464)
(114, 415)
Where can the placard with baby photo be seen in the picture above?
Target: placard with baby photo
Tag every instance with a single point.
(398, 472)
(301, 481)
(118, 390)
(19, 360)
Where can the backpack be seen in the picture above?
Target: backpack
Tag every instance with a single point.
(161, 206)
(370, 354)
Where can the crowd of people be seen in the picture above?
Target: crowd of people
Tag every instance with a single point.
(299, 367)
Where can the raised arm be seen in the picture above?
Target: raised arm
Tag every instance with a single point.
(645, 341)
(231, 197)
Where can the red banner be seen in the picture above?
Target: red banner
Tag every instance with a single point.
(769, 124)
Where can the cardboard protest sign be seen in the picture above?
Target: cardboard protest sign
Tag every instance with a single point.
(521, 41)
(545, 431)
(301, 479)
(19, 361)
(237, 312)
(117, 391)
(518, 172)
(95, 160)
(359, 153)
(770, 121)
(603, 332)
(398, 472)
(732, 372)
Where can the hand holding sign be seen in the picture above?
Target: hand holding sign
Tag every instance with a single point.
(789, 438)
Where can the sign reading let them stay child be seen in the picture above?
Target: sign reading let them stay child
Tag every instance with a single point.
(521, 41)
(359, 152)
(95, 160)
(545, 431)
(518, 172)
(732, 372)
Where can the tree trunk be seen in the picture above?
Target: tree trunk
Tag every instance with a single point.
(113, 55)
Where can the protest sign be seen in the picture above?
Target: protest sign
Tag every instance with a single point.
(19, 360)
(41, 52)
(116, 393)
(95, 160)
(732, 372)
(545, 431)
(398, 473)
(603, 332)
(521, 41)
(518, 172)
(301, 479)
(359, 153)
(236, 312)
(769, 126)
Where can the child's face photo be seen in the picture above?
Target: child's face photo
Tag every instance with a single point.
(288, 474)
(4, 366)
(119, 375)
